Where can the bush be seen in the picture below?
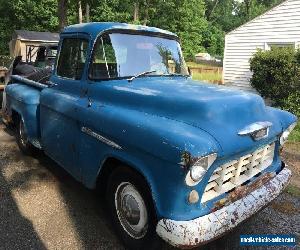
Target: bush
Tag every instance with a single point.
(292, 103)
(276, 75)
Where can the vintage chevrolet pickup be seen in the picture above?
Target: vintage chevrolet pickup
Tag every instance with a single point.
(180, 159)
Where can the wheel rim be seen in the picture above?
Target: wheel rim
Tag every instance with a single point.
(22, 133)
(131, 210)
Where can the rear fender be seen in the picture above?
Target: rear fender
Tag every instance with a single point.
(24, 100)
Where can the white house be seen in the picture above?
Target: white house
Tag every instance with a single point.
(279, 26)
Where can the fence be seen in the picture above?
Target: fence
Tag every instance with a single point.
(201, 70)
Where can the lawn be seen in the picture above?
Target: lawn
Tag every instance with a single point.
(207, 73)
(208, 76)
(295, 135)
(196, 65)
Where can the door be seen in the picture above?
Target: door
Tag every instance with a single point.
(59, 104)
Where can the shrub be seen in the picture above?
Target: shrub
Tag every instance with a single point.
(292, 103)
(276, 75)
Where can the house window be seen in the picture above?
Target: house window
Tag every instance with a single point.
(72, 58)
(270, 46)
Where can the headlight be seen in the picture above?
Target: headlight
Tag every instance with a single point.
(199, 168)
(286, 133)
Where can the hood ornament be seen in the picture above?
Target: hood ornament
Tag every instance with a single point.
(257, 130)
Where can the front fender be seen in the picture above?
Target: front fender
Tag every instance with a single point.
(151, 144)
(286, 118)
(158, 136)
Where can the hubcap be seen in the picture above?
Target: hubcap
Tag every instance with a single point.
(131, 210)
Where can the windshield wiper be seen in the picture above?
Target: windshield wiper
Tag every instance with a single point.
(177, 74)
(141, 74)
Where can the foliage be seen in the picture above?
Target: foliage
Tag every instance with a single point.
(276, 74)
(38, 15)
(293, 190)
(201, 24)
(5, 61)
(292, 103)
(295, 135)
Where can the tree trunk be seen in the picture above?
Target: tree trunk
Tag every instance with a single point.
(79, 12)
(146, 13)
(212, 10)
(136, 12)
(87, 13)
(62, 13)
(248, 8)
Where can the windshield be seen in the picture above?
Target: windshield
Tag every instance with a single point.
(126, 55)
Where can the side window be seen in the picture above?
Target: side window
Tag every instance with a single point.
(72, 58)
(104, 63)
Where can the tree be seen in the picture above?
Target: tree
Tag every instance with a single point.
(79, 12)
(250, 9)
(186, 18)
(38, 15)
(62, 13)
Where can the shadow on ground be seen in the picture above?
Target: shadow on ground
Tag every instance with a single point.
(42, 206)
(16, 231)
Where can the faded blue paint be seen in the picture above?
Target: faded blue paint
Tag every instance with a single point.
(25, 101)
(94, 29)
(153, 119)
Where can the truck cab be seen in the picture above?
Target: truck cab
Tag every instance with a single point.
(179, 159)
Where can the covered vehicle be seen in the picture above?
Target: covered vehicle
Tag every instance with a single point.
(177, 158)
(37, 67)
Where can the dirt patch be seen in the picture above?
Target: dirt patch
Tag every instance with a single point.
(285, 207)
(291, 155)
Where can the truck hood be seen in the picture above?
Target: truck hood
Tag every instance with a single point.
(220, 111)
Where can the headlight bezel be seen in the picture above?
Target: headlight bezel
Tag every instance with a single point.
(284, 136)
(199, 166)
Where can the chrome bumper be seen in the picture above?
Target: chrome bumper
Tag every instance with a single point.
(188, 234)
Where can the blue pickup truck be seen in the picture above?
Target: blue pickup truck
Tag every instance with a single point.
(178, 159)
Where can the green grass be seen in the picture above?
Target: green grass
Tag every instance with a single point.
(293, 190)
(295, 135)
(208, 76)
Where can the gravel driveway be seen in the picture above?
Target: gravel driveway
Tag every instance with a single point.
(42, 207)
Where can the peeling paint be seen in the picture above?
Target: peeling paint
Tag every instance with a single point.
(244, 203)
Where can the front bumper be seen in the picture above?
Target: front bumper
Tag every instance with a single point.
(188, 234)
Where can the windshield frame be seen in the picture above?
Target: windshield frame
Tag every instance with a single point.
(129, 32)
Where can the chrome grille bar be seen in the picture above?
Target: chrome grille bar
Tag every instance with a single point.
(236, 172)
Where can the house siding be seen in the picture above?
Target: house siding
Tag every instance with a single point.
(279, 25)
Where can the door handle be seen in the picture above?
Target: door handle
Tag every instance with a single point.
(89, 102)
(51, 84)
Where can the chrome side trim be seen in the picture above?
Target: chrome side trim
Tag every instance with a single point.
(101, 138)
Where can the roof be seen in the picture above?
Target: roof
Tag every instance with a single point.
(95, 28)
(27, 35)
(258, 17)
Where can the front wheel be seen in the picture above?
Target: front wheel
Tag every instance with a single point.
(22, 139)
(131, 207)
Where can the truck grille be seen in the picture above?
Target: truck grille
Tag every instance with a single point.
(237, 172)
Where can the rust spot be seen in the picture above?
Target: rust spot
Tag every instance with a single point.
(236, 215)
(242, 191)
